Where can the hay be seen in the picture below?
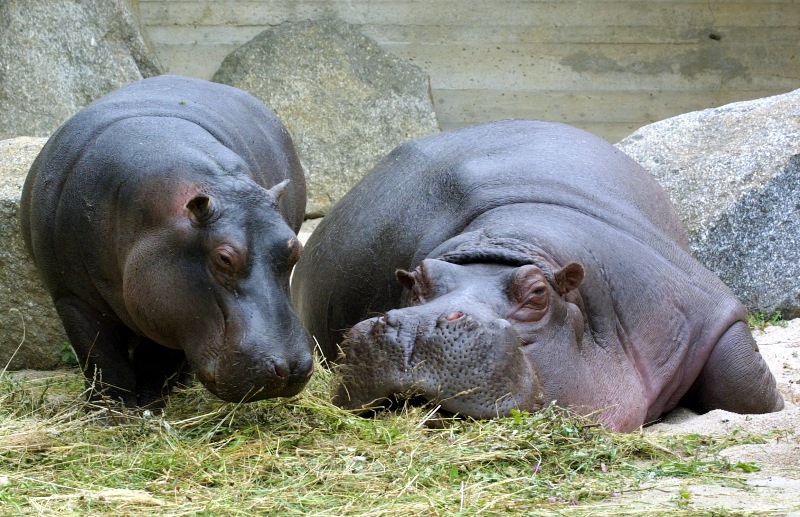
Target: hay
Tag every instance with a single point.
(303, 456)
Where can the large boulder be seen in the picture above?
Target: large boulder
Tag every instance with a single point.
(30, 330)
(346, 101)
(56, 57)
(734, 174)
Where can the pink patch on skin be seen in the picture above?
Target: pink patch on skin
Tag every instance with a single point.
(171, 202)
(454, 316)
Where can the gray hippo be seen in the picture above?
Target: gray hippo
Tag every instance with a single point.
(162, 220)
(511, 264)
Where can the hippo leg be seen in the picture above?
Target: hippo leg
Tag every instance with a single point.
(158, 369)
(101, 345)
(735, 378)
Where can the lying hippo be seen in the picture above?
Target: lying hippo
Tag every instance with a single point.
(514, 263)
(162, 219)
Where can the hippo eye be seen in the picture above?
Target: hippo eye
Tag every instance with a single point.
(295, 250)
(416, 297)
(529, 294)
(537, 300)
(226, 259)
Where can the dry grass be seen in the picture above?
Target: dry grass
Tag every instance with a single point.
(304, 456)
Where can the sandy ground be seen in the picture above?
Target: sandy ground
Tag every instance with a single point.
(775, 488)
(772, 490)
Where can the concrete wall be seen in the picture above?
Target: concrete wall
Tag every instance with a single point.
(606, 66)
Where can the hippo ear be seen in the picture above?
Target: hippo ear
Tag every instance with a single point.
(405, 278)
(569, 277)
(278, 190)
(201, 208)
(417, 284)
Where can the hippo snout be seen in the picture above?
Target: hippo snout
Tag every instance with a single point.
(469, 366)
(406, 328)
(244, 379)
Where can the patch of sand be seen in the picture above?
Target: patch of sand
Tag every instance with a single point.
(775, 488)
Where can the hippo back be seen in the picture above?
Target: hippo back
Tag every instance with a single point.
(234, 118)
(429, 190)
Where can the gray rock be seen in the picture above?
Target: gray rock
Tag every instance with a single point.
(29, 325)
(734, 174)
(346, 101)
(56, 57)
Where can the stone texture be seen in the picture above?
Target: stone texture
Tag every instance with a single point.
(608, 67)
(27, 317)
(345, 101)
(734, 174)
(58, 56)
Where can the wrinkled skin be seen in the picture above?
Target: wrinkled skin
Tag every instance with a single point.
(162, 219)
(482, 344)
(516, 263)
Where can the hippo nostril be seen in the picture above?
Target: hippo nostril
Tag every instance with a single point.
(454, 316)
(294, 370)
(392, 318)
(304, 368)
(281, 371)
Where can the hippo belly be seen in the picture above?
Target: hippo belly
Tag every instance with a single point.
(162, 219)
(511, 264)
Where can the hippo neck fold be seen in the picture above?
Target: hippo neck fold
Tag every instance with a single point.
(480, 247)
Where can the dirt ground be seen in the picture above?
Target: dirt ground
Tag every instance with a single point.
(772, 490)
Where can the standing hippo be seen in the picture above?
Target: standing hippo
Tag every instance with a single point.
(162, 219)
(514, 263)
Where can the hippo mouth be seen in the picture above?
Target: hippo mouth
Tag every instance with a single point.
(236, 388)
(243, 365)
(467, 367)
(245, 374)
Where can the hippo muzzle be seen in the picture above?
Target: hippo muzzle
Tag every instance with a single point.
(259, 357)
(467, 366)
(241, 379)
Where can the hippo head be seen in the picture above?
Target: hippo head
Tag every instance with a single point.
(468, 338)
(209, 275)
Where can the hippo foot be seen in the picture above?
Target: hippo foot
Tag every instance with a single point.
(466, 367)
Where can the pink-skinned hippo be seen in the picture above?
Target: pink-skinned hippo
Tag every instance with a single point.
(162, 218)
(510, 264)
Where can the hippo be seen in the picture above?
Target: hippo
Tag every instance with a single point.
(162, 219)
(519, 263)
